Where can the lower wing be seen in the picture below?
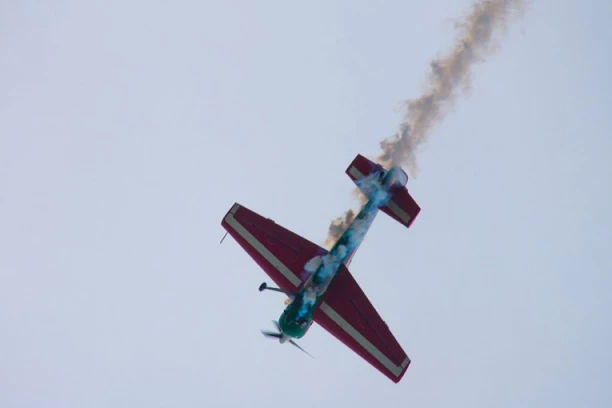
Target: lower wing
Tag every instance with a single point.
(348, 315)
(281, 253)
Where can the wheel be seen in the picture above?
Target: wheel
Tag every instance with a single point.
(262, 287)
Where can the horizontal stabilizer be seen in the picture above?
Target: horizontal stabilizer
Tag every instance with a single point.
(401, 207)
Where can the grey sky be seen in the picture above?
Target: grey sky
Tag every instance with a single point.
(128, 129)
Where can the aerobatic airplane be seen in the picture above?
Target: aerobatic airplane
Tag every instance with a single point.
(317, 282)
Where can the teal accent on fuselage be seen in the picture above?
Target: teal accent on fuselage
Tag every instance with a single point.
(297, 316)
(289, 323)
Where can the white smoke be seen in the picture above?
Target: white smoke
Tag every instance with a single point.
(449, 78)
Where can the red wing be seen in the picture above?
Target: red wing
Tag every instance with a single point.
(281, 253)
(361, 167)
(346, 313)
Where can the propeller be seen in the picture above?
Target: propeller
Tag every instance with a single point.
(279, 335)
(276, 335)
(296, 345)
(272, 334)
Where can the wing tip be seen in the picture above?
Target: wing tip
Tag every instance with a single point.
(230, 213)
(405, 365)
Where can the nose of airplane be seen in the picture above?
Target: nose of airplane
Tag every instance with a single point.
(283, 338)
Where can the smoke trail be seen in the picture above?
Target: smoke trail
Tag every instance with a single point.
(450, 76)
(338, 226)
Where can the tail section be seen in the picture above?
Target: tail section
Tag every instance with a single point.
(401, 207)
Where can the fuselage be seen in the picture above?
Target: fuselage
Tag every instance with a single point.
(296, 319)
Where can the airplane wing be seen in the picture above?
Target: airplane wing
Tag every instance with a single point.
(348, 315)
(281, 253)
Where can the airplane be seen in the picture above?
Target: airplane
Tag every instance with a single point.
(317, 282)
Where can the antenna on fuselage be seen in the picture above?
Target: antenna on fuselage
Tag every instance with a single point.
(224, 237)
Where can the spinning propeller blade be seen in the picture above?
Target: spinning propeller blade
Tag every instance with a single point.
(279, 334)
(271, 334)
(296, 345)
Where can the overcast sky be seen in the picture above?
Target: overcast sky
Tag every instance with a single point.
(129, 128)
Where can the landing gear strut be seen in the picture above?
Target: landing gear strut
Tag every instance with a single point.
(265, 286)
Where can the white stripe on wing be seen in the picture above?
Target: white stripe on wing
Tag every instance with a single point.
(261, 248)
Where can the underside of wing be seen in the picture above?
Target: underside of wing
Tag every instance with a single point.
(348, 315)
(281, 253)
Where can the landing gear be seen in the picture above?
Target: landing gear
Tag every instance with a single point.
(264, 286)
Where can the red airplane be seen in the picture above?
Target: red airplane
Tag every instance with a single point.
(318, 283)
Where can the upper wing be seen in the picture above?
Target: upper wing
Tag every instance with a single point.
(346, 313)
(281, 253)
